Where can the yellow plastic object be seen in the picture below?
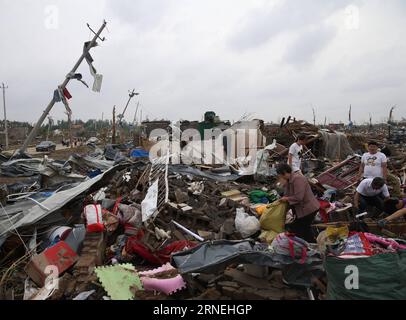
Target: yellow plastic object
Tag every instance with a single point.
(274, 217)
(268, 236)
(260, 209)
(336, 233)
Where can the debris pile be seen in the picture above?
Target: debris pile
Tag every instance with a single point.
(115, 225)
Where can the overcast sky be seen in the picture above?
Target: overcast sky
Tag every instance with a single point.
(268, 58)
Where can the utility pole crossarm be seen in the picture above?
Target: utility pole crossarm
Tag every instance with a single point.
(34, 131)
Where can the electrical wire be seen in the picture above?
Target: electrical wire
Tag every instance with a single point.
(12, 224)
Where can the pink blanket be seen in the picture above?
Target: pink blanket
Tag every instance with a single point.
(389, 243)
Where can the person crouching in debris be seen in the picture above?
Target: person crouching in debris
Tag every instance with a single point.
(295, 153)
(396, 208)
(298, 194)
(371, 192)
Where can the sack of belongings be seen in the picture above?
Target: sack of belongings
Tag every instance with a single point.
(378, 277)
(367, 266)
(272, 220)
(289, 245)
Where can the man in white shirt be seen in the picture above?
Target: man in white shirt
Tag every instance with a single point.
(371, 192)
(295, 153)
(373, 163)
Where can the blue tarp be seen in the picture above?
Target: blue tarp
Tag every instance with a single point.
(94, 173)
(139, 153)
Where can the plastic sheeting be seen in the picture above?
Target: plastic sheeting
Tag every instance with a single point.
(336, 145)
(215, 256)
(139, 153)
(261, 162)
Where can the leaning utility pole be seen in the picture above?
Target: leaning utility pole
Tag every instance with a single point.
(135, 115)
(141, 117)
(70, 129)
(5, 114)
(314, 117)
(120, 117)
(131, 95)
(86, 49)
(50, 123)
(349, 114)
(390, 120)
(113, 131)
(370, 122)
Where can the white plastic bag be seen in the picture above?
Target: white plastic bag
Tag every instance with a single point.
(245, 224)
(150, 203)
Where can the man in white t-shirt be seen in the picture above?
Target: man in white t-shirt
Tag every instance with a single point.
(295, 153)
(371, 192)
(373, 163)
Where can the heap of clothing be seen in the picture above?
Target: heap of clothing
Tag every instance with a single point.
(342, 243)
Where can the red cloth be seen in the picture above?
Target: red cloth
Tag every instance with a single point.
(160, 257)
(66, 93)
(323, 213)
(115, 208)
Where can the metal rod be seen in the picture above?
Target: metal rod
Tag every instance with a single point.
(194, 235)
(166, 178)
(39, 204)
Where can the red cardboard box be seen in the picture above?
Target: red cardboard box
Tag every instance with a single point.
(60, 255)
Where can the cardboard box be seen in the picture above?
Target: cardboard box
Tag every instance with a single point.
(60, 255)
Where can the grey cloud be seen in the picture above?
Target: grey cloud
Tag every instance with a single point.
(180, 74)
(142, 14)
(376, 82)
(379, 83)
(262, 24)
(308, 44)
(377, 72)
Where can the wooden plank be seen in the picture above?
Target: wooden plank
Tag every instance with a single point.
(231, 193)
(247, 280)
